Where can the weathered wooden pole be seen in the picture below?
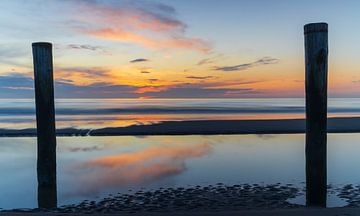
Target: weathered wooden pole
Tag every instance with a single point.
(316, 60)
(45, 119)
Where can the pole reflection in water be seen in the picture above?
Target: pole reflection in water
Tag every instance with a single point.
(47, 196)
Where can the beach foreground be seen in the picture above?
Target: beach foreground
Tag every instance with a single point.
(275, 212)
(219, 199)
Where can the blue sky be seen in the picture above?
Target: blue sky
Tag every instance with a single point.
(187, 44)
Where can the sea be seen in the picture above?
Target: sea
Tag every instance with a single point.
(100, 113)
(93, 167)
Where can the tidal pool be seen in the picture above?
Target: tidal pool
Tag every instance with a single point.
(93, 167)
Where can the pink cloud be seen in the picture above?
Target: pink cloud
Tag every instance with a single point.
(147, 24)
(147, 89)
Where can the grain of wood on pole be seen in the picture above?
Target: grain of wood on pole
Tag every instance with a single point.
(316, 60)
(45, 119)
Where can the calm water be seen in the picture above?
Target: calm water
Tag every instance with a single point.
(93, 167)
(98, 113)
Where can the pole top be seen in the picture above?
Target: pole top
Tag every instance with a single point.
(42, 44)
(315, 27)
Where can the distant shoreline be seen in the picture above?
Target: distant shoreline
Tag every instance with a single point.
(202, 127)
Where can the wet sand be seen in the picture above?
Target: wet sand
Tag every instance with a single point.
(203, 127)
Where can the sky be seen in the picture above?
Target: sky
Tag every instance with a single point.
(176, 48)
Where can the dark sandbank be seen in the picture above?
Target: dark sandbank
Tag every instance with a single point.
(203, 127)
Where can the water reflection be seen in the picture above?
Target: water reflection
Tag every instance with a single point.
(46, 178)
(47, 196)
(87, 164)
(139, 167)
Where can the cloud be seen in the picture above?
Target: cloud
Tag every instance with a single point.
(196, 90)
(205, 61)
(149, 24)
(83, 76)
(199, 77)
(147, 89)
(88, 48)
(11, 51)
(262, 61)
(84, 46)
(85, 149)
(13, 55)
(139, 60)
(145, 72)
(16, 85)
(266, 60)
(15, 80)
(239, 92)
(18, 88)
(95, 90)
(141, 167)
(193, 92)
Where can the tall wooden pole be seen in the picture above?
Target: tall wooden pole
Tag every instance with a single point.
(45, 119)
(316, 60)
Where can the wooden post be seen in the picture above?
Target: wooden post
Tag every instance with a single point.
(45, 119)
(316, 60)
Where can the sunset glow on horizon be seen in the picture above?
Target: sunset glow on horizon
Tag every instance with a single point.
(176, 49)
